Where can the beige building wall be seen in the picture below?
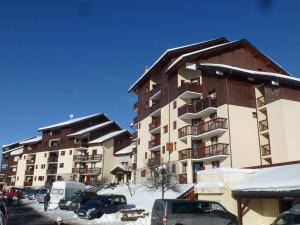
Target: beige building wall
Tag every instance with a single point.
(40, 160)
(21, 168)
(109, 161)
(67, 161)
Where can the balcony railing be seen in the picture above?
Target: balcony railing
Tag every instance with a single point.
(207, 151)
(97, 157)
(30, 161)
(198, 106)
(155, 89)
(51, 171)
(154, 124)
(27, 183)
(217, 123)
(182, 178)
(155, 106)
(81, 145)
(263, 125)
(188, 86)
(261, 101)
(265, 150)
(53, 159)
(29, 172)
(154, 161)
(154, 143)
(135, 106)
(95, 170)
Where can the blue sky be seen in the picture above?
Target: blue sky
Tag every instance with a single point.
(80, 56)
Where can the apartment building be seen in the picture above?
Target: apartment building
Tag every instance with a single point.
(81, 149)
(217, 103)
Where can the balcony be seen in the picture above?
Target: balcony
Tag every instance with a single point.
(265, 150)
(214, 151)
(154, 145)
(189, 90)
(2, 180)
(29, 172)
(261, 101)
(154, 161)
(135, 106)
(197, 110)
(211, 128)
(51, 171)
(263, 125)
(155, 93)
(53, 159)
(154, 126)
(30, 161)
(86, 158)
(154, 110)
(182, 178)
(95, 170)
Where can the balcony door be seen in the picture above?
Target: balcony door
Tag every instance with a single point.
(198, 148)
(195, 125)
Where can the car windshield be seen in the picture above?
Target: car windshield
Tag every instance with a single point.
(43, 191)
(93, 201)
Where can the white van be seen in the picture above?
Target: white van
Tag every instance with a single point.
(64, 190)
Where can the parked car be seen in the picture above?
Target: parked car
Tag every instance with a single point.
(64, 190)
(41, 194)
(190, 212)
(102, 204)
(79, 198)
(291, 217)
(3, 213)
(31, 195)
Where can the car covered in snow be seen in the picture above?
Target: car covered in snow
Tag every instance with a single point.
(190, 212)
(102, 204)
(291, 217)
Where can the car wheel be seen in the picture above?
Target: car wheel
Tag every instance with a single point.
(99, 215)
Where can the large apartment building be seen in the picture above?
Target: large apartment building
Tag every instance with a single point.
(81, 149)
(217, 103)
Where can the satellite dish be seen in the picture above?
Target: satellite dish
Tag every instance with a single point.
(71, 116)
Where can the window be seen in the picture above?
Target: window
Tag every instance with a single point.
(254, 114)
(214, 140)
(217, 206)
(139, 141)
(166, 129)
(174, 125)
(17, 178)
(145, 155)
(70, 152)
(41, 178)
(215, 164)
(143, 173)
(62, 153)
(43, 166)
(174, 105)
(24, 157)
(45, 155)
(34, 178)
(61, 165)
(163, 149)
(36, 166)
(173, 168)
(139, 125)
(213, 115)
(94, 152)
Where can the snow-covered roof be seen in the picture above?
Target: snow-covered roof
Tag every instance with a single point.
(166, 53)
(120, 166)
(33, 140)
(269, 75)
(69, 122)
(179, 59)
(108, 136)
(273, 179)
(17, 151)
(126, 150)
(225, 170)
(14, 149)
(17, 142)
(89, 129)
(209, 185)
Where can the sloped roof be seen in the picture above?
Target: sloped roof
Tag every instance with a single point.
(14, 149)
(192, 55)
(89, 129)
(108, 136)
(175, 51)
(33, 140)
(17, 142)
(126, 150)
(69, 122)
(17, 151)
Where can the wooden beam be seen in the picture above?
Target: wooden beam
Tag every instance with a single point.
(240, 210)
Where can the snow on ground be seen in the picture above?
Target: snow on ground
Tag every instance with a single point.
(142, 199)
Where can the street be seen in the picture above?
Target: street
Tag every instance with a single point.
(25, 214)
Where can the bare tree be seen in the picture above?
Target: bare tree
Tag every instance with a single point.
(162, 179)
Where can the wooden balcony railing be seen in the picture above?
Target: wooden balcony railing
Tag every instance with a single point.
(97, 157)
(261, 101)
(217, 123)
(155, 106)
(182, 178)
(198, 106)
(188, 86)
(265, 150)
(155, 123)
(95, 170)
(155, 89)
(154, 161)
(51, 171)
(81, 145)
(29, 172)
(154, 143)
(53, 159)
(263, 125)
(207, 151)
